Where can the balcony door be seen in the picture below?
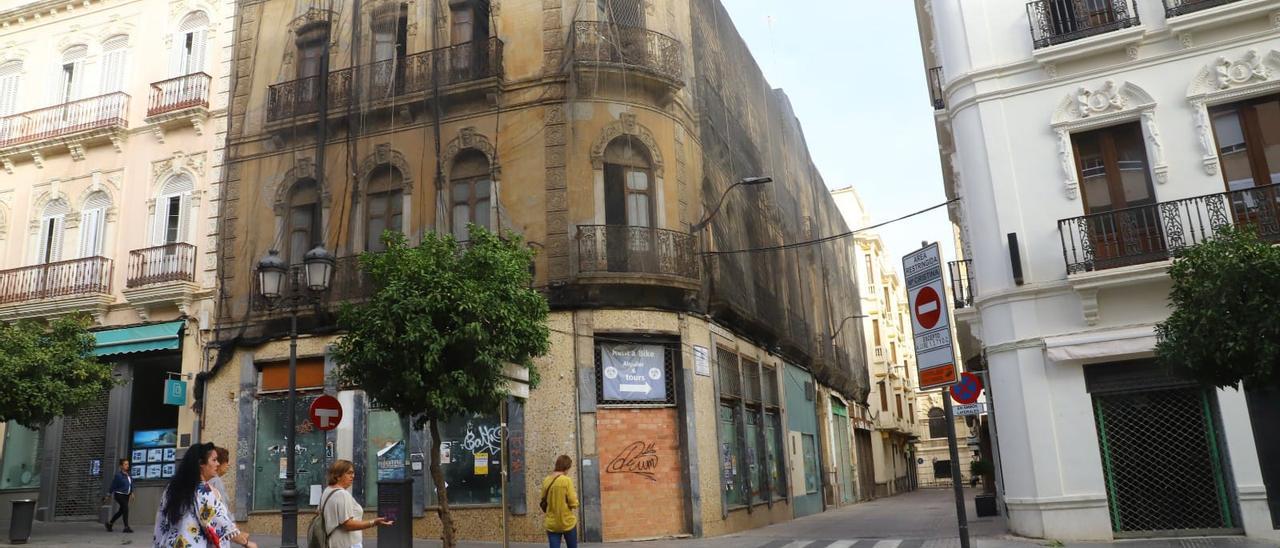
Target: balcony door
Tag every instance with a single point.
(1124, 222)
(1068, 16)
(1248, 137)
(469, 36)
(390, 47)
(628, 207)
(189, 45)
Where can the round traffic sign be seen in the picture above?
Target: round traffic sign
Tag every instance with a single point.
(928, 307)
(966, 391)
(325, 412)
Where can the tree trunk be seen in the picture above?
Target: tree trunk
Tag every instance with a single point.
(448, 534)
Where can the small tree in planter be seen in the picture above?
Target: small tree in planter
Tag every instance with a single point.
(48, 370)
(987, 471)
(1225, 300)
(432, 341)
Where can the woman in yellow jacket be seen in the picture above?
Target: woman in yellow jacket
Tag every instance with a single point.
(561, 502)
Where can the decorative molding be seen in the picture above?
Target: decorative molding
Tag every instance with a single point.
(1110, 104)
(303, 168)
(1051, 70)
(1131, 51)
(192, 164)
(38, 158)
(76, 150)
(626, 124)
(8, 164)
(382, 155)
(157, 131)
(1089, 304)
(1225, 81)
(468, 138)
(1186, 40)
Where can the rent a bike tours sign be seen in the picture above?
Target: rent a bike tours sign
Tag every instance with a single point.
(633, 372)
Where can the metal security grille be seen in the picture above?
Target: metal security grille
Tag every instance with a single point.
(1163, 469)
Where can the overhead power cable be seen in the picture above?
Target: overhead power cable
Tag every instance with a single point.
(833, 237)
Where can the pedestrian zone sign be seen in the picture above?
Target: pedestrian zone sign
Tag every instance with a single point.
(930, 318)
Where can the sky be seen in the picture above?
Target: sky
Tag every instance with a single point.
(856, 79)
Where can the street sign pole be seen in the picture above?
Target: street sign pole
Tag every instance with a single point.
(956, 484)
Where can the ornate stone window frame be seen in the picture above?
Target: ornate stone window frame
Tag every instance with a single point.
(1108, 105)
(382, 155)
(1227, 80)
(626, 125)
(303, 168)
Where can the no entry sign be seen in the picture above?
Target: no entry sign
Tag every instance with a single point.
(930, 319)
(325, 412)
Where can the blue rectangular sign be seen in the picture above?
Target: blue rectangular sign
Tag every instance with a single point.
(175, 392)
(633, 372)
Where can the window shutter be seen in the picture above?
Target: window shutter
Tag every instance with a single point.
(40, 244)
(160, 220)
(10, 74)
(184, 217)
(178, 54)
(196, 63)
(55, 249)
(91, 233)
(113, 71)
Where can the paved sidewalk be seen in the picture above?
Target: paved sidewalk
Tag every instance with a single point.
(924, 519)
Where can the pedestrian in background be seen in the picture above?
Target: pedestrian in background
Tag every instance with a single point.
(220, 488)
(342, 515)
(190, 514)
(122, 491)
(559, 501)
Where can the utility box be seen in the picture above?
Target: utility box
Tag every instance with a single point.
(395, 498)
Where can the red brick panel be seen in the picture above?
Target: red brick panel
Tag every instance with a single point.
(640, 485)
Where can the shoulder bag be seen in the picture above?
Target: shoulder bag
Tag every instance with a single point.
(318, 533)
(543, 503)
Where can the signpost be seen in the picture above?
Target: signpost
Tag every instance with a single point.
(935, 357)
(325, 412)
(175, 392)
(972, 409)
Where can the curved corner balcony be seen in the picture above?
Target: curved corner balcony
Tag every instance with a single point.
(636, 254)
(605, 46)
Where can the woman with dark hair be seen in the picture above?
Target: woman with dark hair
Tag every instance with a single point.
(190, 514)
(560, 501)
(122, 490)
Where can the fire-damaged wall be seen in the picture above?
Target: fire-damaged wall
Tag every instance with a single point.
(792, 297)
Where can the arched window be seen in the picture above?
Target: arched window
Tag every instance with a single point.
(628, 183)
(52, 222)
(115, 61)
(71, 76)
(172, 210)
(384, 206)
(304, 230)
(187, 56)
(938, 422)
(10, 77)
(470, 183)
(93, 224)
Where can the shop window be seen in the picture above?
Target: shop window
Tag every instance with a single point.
(635, 373)
(384, 428)
(470, 451)
(153, 425)
(20, 461)
(730, 447)
(810, 447)
(270, 451)
(942, 469)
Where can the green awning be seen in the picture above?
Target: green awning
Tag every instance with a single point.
(139, 338)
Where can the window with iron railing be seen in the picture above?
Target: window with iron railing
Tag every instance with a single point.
(1174, 8)
(1056, 22)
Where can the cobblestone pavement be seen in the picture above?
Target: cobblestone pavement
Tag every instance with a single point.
(924, 519)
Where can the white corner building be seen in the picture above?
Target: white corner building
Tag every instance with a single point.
(1088, 141)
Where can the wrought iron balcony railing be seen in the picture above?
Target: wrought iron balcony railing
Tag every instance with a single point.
(1155, 232)
(1059, 21)
(1174, 8)
(601, 43)
(961, 282)
(935, 88)
(636, 249)
(65, 119)
(160, 264)
(349, 283)
(179, 93)
(76, 277)
(381, 80)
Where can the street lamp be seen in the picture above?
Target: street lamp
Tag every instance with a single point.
(747, 181)
(837, 332)
(272, 276)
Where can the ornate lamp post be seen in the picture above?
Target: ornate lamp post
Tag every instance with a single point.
(273, 274)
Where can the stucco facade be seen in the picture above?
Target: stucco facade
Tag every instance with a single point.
(576, 125)
(112, 119)
(1033, 127)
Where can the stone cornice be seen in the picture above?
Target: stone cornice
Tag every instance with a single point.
(40, 9)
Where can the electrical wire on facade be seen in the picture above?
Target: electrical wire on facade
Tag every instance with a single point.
(833, 237)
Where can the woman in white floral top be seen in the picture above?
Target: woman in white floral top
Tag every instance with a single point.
(190, 513)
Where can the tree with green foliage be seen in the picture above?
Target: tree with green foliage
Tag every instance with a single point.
(48, 370)
(1225, 300)
(433, 339)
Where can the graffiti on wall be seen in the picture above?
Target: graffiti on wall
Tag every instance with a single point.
(638, 458)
